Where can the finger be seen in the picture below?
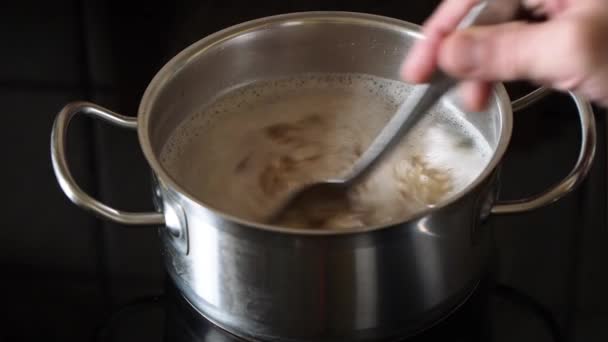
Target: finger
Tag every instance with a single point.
(421, 61)
(475, 95)
(447, 16)
(506, 52)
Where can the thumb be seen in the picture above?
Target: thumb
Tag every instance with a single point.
(505, 52)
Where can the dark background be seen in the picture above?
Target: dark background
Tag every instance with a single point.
(64, 271)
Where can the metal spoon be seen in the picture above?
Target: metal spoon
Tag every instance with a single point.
(408, 114)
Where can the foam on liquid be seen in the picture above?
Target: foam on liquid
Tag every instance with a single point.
(255, 144)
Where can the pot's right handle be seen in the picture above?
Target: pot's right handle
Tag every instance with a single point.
(64, 176)
(578, 173)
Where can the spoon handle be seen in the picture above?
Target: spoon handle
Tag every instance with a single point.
(423, 97)
(415, 106)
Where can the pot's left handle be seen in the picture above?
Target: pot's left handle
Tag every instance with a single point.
(64, 176)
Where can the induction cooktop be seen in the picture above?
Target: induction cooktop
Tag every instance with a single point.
(169, 317)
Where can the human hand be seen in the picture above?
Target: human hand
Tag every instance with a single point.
(569, 51)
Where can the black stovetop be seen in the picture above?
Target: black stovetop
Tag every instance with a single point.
(170, 318)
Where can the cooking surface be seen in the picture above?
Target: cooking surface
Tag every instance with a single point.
(170, 318)
(67, 275)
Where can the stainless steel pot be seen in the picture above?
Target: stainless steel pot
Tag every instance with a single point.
(273, 283)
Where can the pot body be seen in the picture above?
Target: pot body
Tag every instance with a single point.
(272, 283)
(349, 287)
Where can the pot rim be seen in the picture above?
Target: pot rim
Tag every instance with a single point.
(180, 60)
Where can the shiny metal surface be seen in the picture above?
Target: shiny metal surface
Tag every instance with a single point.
(266, 282)
(64, 176)
(530, 99)
(363, 286)
(578, 173)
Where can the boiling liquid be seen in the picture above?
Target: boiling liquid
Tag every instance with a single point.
(252, 146)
